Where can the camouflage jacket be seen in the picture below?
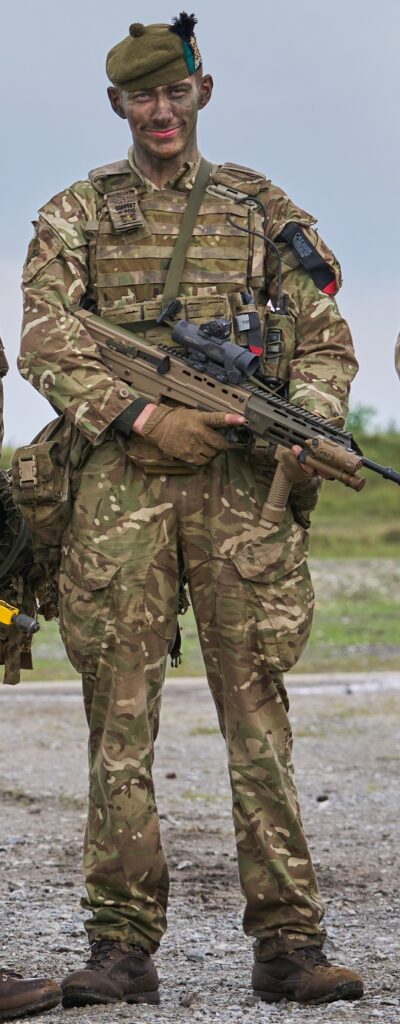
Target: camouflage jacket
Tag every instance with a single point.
(109, 240)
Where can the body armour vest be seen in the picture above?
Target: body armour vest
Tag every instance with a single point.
(133, 238)
(131, 246)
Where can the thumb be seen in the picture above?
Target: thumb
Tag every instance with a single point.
(214, 419)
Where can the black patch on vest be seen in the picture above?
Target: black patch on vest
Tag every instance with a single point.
(319, 270)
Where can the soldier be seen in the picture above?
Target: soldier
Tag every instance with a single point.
(19, 997)
(161, 489)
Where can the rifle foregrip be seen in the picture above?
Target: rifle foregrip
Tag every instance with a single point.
(274, 507)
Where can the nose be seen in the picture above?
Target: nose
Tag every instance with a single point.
(162, 112)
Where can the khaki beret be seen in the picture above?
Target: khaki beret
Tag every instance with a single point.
(154, 55)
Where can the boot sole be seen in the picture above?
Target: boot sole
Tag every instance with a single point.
(77, 997)
(22, 1011)
(351, 990)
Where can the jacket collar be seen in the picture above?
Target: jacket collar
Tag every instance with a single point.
(182, 181)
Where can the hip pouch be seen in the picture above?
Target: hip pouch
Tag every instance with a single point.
(41, 481)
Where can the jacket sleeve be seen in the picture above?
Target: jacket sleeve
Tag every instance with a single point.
(322, 364)
(57, 354)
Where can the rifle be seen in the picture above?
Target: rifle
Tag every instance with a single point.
(207, 371)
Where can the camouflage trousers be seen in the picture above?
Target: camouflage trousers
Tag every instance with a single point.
(253, 602)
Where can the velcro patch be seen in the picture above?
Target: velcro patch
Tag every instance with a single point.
(123, 208)
(319, 270)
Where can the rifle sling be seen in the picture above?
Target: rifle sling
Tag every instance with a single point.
(172, 284)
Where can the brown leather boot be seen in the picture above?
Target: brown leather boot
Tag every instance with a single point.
(21, 996)
(306, 976)
(114, 971)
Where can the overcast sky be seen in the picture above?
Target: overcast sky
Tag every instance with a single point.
(307, 92)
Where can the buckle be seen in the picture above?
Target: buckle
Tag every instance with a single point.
(28, 471)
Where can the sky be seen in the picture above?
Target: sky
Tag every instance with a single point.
(306, 92)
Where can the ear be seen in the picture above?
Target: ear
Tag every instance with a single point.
(205, 91)
(115, 97)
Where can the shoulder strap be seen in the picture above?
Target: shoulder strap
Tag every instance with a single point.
(231, 180)
(108, 177)
(172, 284)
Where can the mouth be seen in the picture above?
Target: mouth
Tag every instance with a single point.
(164, 133)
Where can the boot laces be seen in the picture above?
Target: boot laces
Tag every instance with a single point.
(101, 950)
(107, 949)
(315, 954)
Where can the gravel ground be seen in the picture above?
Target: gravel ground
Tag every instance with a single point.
(355, 577)
(347, 760)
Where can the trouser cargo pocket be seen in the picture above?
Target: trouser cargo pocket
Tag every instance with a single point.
(86, 576)
(274, 563)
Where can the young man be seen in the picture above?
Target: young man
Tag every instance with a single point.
(162, 488)
(19, 997)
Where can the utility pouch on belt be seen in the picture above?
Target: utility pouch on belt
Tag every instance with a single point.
(41, 482)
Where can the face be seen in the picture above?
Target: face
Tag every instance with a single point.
(163, 120)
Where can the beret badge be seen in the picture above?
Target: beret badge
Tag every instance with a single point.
(184, 27)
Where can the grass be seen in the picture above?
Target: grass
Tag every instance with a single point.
(369, 622)
(351, 525)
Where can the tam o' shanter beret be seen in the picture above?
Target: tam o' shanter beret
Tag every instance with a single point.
(154, 55)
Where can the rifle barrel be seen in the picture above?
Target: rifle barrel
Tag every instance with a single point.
(385, 471)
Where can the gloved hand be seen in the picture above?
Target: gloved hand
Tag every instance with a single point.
(186, 434)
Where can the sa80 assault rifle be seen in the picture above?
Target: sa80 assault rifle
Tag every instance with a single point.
(207, 371)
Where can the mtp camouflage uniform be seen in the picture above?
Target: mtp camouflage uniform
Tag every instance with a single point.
(108, 241)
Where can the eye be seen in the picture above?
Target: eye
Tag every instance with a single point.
(141, 97)
(178, 92)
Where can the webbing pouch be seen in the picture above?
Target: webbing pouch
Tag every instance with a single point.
(40, 482)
